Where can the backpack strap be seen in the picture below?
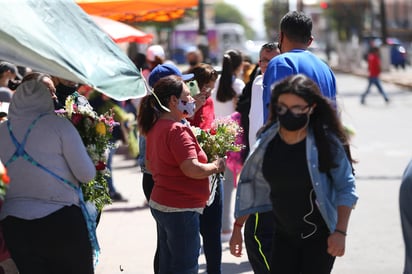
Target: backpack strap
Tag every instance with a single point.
(21, 152)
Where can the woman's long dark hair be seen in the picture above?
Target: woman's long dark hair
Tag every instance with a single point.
(324, 120)
(151, 108)
(203, 74)
(232, 59)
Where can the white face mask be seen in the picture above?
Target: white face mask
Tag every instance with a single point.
(187, 108)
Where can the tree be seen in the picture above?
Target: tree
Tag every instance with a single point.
(273, 11)
(226, 13)
(347, 18)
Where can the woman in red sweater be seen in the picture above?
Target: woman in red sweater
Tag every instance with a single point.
(374, 67)
(180, 171)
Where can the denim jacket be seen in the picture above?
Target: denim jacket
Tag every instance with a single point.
(337, 189)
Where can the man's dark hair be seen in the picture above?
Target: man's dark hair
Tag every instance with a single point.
(297, 27)
(269, 46)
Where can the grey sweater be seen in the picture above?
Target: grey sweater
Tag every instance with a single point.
(53, 142)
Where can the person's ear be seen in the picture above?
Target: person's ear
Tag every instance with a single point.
(310, 40)
(174, 100)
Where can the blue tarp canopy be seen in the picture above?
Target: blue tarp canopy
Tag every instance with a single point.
(57, 37)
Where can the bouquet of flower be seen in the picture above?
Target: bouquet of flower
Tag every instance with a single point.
(4, 181)
(95, 131)
(220, 139)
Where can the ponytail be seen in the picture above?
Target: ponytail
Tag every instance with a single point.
(232, 59)
(148, 114)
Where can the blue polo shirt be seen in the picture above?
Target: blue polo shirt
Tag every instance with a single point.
(295, 62)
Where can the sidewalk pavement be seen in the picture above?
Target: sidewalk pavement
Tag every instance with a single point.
(127, 230)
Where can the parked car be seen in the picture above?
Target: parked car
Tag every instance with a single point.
(398, 52)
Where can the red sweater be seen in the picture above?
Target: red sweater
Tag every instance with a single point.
(374, 65)
(168, 144)
(204, 116)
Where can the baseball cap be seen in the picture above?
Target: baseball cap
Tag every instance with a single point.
(4, 109)
(164, 70)
(5, 66)
(153, 51)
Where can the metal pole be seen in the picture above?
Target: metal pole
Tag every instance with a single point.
(202, 33)
(383, 21)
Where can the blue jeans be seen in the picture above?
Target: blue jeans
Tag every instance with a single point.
(405, 196)
(210, 229)
(375, 81)
(109, 179)
(179, 241)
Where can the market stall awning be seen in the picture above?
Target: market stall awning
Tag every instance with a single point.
(138, 10)
(120, 32)
(59, 38)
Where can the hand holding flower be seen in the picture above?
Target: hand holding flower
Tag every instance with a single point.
(220, 164)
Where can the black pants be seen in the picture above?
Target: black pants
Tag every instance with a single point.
(148, 184)
(56, 244)
(293, 255)
(210, 229)
(258, 236)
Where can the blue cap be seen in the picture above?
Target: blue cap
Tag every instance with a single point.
(164, 70)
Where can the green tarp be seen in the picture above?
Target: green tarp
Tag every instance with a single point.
(59, 38)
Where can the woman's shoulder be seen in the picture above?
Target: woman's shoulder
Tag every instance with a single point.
(238, 86)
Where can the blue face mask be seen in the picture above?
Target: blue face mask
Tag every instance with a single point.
(187, 108)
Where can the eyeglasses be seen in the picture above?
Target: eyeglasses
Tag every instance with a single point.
(296, 110)
(264, 61)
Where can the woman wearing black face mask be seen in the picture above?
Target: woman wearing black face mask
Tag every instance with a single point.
(302, 169)
(64, 88)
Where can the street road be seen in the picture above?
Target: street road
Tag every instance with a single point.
(382, 145)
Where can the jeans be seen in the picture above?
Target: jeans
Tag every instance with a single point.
(210, 228)
(179, 241)
(109, 179)
(375, 81)
(405, 196)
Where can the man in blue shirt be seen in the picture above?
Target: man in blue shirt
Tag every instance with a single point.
(294, 39)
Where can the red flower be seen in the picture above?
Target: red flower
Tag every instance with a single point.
(76, 118)
(212, 131)
(100, 165)
(5, 178)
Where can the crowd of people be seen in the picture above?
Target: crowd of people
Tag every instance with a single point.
(294, 183)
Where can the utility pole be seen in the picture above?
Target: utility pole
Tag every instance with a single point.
(383, 21)
(202, 33)
(384, 50)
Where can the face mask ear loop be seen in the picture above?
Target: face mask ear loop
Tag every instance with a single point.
(150, 90)
(307, 122)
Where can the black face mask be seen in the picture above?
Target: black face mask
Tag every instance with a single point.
(65, 90)
(293, 122)
(62, 92)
